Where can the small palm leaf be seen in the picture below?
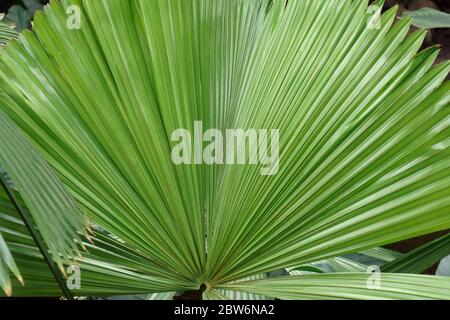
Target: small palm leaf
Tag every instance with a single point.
(429, 18)
(7, 263)
(7, 32)
(421, 258)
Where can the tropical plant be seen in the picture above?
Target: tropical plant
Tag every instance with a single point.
(364, 150)
(429, 18)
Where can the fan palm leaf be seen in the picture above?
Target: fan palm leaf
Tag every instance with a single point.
(362, 115)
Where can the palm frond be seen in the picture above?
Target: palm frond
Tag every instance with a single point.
(362, 115)
(214, 294)
(421, 258)
(338, 264)
(429, 18)
(7, 264)
(110, 267)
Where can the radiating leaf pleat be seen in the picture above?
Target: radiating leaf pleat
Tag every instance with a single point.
(109, 267)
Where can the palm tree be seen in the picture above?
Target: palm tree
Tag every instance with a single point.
(89, 101)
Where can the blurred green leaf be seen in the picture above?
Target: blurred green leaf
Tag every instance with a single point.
(7, 263)
(22, 16)
(429, 18)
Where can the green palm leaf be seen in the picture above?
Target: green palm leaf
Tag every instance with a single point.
(382, 254)
(349, 286)
(421, 258)
(110, 267)
(54, 212)
(7, 32)
(362, 115)
(7, 263)
(429, 18)
(338, 264)
(444, 267)
(218, 294)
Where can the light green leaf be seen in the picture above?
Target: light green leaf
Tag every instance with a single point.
(349, 286)
(7, 32)
(213, 295)
(338, 264)
(19, 16)
(306, 269)
(161, 296)
(429, 18)
(216, 294)
(362, 115)
(382, 254)
(444, 267)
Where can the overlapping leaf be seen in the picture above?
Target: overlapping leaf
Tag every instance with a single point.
(55, 213)
(421, 258)
(429, 18)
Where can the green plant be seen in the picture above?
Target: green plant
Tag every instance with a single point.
(22, 16)
(363, 118)
(429, 18)
(6, 32)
